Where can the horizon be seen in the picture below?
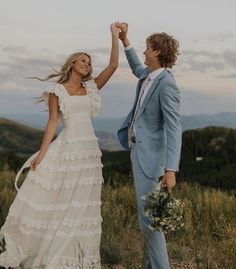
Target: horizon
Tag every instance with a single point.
(107, 118)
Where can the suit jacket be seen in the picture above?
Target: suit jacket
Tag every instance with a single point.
(157, 126)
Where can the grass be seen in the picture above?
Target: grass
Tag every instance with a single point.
(208, 240)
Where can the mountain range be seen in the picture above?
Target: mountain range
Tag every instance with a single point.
(224, 119)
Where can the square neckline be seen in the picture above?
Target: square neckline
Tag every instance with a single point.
(64, 88)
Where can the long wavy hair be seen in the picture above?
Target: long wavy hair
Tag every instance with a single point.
(168, 47)
(66, 69)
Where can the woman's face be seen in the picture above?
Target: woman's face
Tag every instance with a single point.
(82, 65)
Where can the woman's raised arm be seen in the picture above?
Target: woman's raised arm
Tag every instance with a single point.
(105, 75)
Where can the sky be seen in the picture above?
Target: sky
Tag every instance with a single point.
(36, 36)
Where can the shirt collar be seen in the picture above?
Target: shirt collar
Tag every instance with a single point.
(155, 73)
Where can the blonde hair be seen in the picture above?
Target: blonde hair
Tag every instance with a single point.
(66, 68)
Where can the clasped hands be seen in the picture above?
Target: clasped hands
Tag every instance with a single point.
(119, 30)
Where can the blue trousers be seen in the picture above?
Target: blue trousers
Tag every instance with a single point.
(156, 256)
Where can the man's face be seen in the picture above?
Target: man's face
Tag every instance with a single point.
(150, 55)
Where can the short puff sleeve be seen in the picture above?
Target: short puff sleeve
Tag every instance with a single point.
(60, 93)
(95, 98)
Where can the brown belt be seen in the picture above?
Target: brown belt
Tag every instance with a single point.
(133, 139)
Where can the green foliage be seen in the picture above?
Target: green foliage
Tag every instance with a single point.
(208, 239)
(110, 253)
(164, 211)
(19, 138)
(11, 161)
(120, 227)
(217, 148)
(117, 167)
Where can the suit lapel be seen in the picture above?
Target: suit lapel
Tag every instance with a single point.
(150, 92)
(138, 88)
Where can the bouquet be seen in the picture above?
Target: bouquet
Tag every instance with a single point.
(164, 211)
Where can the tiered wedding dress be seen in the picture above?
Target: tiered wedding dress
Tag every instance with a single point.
(55, 219)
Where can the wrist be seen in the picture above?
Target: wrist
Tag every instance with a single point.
(170, 172)
(41, 155)
(115, 35)
(126, 42)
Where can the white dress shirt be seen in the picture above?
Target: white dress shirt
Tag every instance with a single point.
(146, 85)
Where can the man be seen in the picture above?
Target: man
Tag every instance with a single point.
(152, 130)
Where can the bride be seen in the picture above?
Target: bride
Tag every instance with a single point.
(55, 219)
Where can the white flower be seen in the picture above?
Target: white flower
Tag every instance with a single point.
(164, 211)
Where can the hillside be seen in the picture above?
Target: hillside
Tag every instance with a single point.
(208, 157)
(23, 139)
(19, 138)
(208, 154)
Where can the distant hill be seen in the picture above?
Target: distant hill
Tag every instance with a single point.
(224, 119)
(108, 141)
(106, 129)
(208, 155)
(23, 139)
(19, 138)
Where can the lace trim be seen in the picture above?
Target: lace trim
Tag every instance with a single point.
(14, 253)
(95, 98)
(75, 155)
(70, 168)
(64, 107)
(54, 225)
(47, 184)
(41, 207)
(79, 139)
(62, 102)
(92, 262)
(60, 233)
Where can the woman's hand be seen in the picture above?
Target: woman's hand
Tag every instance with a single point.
(35, 162)
(115, 30)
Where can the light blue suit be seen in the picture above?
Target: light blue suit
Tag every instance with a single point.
(158, 143)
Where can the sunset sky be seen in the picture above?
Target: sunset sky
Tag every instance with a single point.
(38, 35)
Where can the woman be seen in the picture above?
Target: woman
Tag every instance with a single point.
(55, 220)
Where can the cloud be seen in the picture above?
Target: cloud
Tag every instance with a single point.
(214, 37)
(230, 58)
(232, 75)
(200, 61)
(205, 61)
(205, 53)
(220, 37)
(15, 49)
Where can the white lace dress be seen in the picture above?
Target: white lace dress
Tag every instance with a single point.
(55, 219)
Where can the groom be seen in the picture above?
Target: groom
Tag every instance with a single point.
(152, 130)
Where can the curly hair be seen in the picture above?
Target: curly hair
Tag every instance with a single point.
(168, 47)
